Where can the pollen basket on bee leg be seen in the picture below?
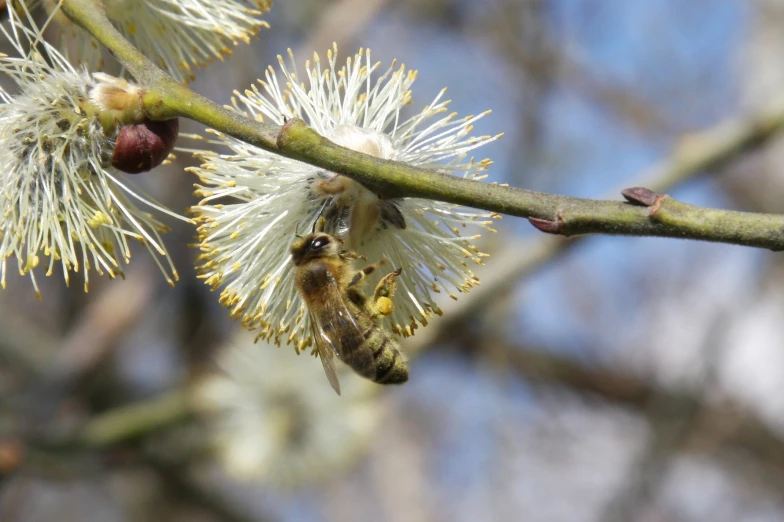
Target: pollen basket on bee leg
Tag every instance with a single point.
(385, 305)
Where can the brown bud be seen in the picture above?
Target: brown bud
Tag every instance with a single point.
(548, 226)
(640, 196)
(143, 146)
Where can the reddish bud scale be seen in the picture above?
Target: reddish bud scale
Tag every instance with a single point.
(143, 146)
(640, 196)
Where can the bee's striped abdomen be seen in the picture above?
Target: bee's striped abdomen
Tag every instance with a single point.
(391, 367)
(354, 353)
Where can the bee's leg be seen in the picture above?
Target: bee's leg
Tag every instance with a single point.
(382, 297)
(359, 276)
(350, 254)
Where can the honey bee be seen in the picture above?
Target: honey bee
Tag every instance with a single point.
(344, 320)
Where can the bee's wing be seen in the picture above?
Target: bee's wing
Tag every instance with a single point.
(326, 353)
(334, 325)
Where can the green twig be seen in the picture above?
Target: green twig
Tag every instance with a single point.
(164, 98)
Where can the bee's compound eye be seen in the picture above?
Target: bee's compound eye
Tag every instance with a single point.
(319, 243)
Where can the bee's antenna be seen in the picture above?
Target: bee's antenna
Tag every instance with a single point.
(296, 230)
(318, 216)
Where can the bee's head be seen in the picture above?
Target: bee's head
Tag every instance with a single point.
(315, 246)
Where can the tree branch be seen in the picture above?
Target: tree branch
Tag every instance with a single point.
(135, 420)
(696, 154)
(165, 98)
(670, 218)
